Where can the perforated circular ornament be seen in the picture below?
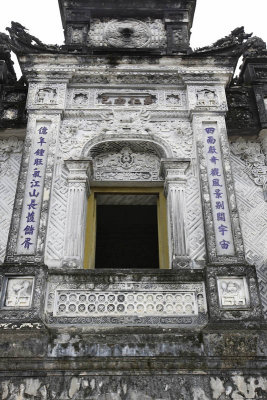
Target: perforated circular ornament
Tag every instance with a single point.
(129, 33)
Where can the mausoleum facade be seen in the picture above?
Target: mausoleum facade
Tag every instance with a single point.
(133, 209)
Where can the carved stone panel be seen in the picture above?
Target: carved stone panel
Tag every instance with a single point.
(124, 99)
(70, 301)
(126, 165)
(233, 292)
(127, 33)
(18, 292)
(46, 96)
(207, 98)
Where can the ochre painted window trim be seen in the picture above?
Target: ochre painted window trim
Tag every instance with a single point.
(90, 237)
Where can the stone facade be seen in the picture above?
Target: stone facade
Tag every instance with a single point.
(126, 108)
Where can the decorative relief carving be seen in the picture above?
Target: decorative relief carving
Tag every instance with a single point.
(251, 153)
(8, 147)
(252, 210)
(46, 95)
(19, 292)
(126, 165)
(50, 95)
(136, 77)
(10, 158)
(233, 292)
(194, 218)
(80, 98)
(173, 100)
(10, 113)
(81, 303)
(126, 100)
(83, 98)
(177, 36)
(128, 33)
(54, 249)
(207, 97)
(23, 293)
(133, 302)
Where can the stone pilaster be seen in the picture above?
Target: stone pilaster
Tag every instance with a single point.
(175, 182)
(78, 191)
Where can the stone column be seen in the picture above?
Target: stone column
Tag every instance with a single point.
(78, 182)
(175, 182)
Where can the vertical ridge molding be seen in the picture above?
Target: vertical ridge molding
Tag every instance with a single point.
(78, 193)
(174, 171)
(224, 245)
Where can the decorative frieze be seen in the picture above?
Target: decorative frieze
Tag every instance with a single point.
(121, 303)
(126, 98)
(129, 301)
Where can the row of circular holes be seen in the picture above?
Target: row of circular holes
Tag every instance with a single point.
(121, 308)
(121, 298)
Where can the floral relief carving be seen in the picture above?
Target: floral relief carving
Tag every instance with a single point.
(126, 165)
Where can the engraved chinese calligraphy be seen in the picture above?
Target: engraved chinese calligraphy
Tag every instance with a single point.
(33, 194)
(219, 202)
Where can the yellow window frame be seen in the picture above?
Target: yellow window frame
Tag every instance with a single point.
(90, 236)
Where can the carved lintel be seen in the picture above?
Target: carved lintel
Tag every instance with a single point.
(78, 192)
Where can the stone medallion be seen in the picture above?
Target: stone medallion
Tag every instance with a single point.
(127, 33)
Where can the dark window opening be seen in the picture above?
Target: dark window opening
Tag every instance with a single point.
(127, 236)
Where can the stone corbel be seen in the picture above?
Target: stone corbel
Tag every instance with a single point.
(78, 192)
(174, 171)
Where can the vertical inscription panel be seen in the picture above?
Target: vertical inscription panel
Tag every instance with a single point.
(29, 224)
(218, 192)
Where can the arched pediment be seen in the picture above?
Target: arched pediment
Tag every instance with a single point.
(126, 160)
